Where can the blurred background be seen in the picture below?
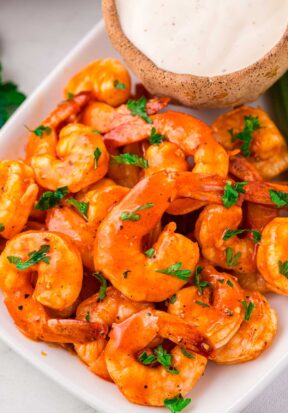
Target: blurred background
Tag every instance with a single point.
(34, 36)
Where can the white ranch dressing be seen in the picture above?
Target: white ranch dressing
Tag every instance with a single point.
(203, 37)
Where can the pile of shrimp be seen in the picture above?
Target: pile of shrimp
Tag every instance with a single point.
(145, 239)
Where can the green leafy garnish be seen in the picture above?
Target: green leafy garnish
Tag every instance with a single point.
(70, 96)
(278, 198)
(82, 207)
(50, 199)
(134, 216)
(138, 108)
(283, 268)
(174, 271)
(156, 138)
(2, 228)
(173, 299)
(129, 159)
(221, 280)
(201, 303)
(251, 124)
(87, 317)
(118, 85)
(34, 258)
(187, 353)
(97, 153)
(231, 259)
(229, 233)
(103, 285)
(200, 284)
(248, 309)
(41, 130)
(161, 356)
(10, 99)
(150, 252)
(228, 282)
(177, 404)
(231, 193)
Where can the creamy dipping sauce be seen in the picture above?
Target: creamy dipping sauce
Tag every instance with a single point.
(203, 37)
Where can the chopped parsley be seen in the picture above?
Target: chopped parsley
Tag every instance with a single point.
(231, 193)
(34, 258)
(187, 353)
(150, 252)
(2, 227)
(229, 233)
(201, 303)
(248, 309)
(10, 99)
(174, 271)
(283, 268)
(251, 124)
(82, 207)
(41, 130)
(87, 317)
(231, 259)
(173, 299)
(155, 138)
(147, 360)
(129, 159)
(70, 96)
(161, 356)
(278, 198)
(118, 85)
(200, 284)
(138, 108)
(97, 153)
(134, 216)
(228, 282)
(50, 199)
(176, 404)
(103, 285)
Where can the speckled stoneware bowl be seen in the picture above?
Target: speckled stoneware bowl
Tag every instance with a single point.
(231, 89)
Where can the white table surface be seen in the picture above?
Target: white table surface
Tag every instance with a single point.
(34, 36)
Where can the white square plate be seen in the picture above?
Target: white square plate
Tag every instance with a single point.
(223, 389)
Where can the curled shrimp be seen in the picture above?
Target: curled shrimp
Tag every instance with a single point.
(55, 288)
(148, 385)
(151, 276)
(214, 309)
(272, 255)
(100, 197)
(191, 135)
(108, 79)
(210, 229)
(70, 158)
(255, 334)
(113, 308)
(17, 197)
(269, 152)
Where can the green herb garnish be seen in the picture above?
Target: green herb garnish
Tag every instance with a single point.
(70, 96)
(34, 258)
(278, 198)
(283, 268)
(228, 282)
(161, 356)
(201, 303)
(248, 309)
(2, 228)
(87, 317)
(200, 284)
(229, 233)
(231, 193)
(156, 138)
(103, 285)
(50, 199)
(129, 159)
(173, 299)
(97, 153)
(177, 404)
(147, 360)
(150, 252)
(174, 271)
(138, 108)
(187, 353)
(231, 259)
(118, 85)
(134, 216)
(251, 124)
(82, 207)
(41, 130)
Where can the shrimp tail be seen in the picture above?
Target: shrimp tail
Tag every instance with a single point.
(75, 331)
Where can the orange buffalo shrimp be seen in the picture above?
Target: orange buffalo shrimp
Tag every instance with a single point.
(146, 385)
(210, 231)
(215, 308)
(255, 333)
(268, 150)
(272, 257)
(108, 79)
(53, 257)
(99, 197)
(191, 135)
(76, 158)
(158, 273)
(113, 308)
(17, 197)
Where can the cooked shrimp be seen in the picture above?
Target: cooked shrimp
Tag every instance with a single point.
(17, 197)
(191, 135)
(53, 257)
(100, 197)
(253, 282)
(152, 276)
(108, 79)
(70, 159)
(214, 309)
(114, 308)
(272, 257)
(211, 226)
(148, 385)
(254, 336)
(268, 149)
